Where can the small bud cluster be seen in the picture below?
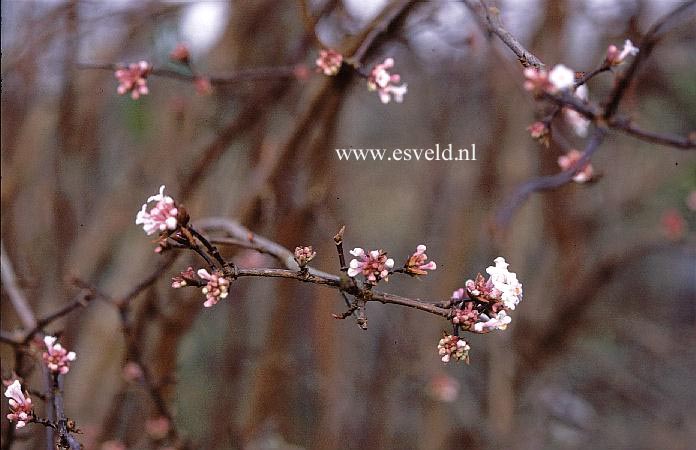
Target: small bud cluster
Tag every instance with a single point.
(373, 265)
(416, 264)
(56, 358)
(216, 288)
(385, 83)
(570, 161)
(540, 132)
(133, 79)
(329, 62)
(21, 410)
(162, 217)
(303, 255)
(453, 347)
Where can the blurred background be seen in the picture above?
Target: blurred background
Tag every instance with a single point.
(600, 354)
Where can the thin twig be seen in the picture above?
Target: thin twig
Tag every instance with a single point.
(9, 283)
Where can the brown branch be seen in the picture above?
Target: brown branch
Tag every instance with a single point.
(671, 140)
(357, 289)
(489, 19)
(546, 183)
(243, 75)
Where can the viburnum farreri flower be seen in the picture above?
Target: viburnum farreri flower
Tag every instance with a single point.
(329, 62)
(216, 289)
(453, 347)
(416, 264)
(384, 83)
(56, 358)
(505, 283)
(616, 57)
(161, 217)
(20, 404)
(374, 265)
(133, 79)
(539, 80)
(570, 161)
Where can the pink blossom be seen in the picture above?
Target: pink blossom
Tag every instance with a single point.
(540, 132)
(385, 83)
(453, 347)
(133, 79)
(303, 255)
(329, 62)
(203, 85)
(163, 216)
(443, 388)
(374, 265)
(20, 405)
(132, 372)
(216, 289)
(673, 224)
(536, 80)
(56, 358)
(458, 294)
(570, 160)
(301, 72)
(180, 53)
(157, 428)
(539, 80)
(416, 264)
(615, 57)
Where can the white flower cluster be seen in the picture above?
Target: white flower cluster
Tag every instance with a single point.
(504, 281)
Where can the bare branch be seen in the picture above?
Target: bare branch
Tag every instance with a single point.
(19, 301)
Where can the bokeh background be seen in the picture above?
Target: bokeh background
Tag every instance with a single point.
(600, 353)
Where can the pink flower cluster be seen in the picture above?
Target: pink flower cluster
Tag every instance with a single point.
(216, 288)
(453, 347)
(416, 264)
(329, 62)
(484, 305)
(20, 405)
(385, 83)
(133, 79)
(570, 161)
(615, 57)
(56, 358)
(162, 217)
(374, 266)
